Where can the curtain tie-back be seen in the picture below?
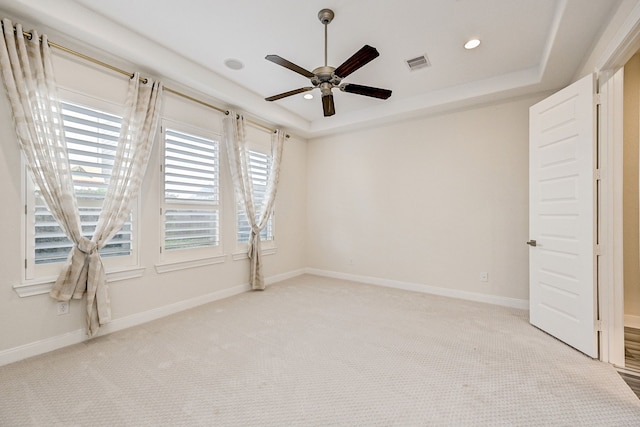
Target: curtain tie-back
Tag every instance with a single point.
(87, 246)
(253, 243)
(253, 252)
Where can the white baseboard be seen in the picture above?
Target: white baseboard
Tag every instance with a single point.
(427, 289)
(43, 346)
(74, 337)
(167, 310)
(284, 276)
(632, 321)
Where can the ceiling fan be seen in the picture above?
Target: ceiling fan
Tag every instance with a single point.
(326, 78)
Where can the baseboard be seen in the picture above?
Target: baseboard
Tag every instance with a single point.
(75, 337)
(167, 310)
(632, 321)
(40, 347)
(427, 289)
(284, 276)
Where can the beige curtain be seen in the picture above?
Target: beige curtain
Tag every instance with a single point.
(29, 81)
(238, 154)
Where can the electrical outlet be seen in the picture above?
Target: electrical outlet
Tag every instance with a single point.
(63, 307)
(484, 276)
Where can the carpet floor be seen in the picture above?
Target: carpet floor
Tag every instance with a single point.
(313, 351)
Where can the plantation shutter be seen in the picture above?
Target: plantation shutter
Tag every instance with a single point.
(191, 191)
(91, 137)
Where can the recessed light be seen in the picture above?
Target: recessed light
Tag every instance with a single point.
(234, 64)
(308, 96)
(472, 44)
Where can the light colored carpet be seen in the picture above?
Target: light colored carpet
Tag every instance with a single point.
(312, 351)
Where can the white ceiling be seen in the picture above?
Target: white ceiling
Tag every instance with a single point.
(527, 46)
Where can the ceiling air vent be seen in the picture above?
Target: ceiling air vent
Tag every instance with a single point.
(418, 62)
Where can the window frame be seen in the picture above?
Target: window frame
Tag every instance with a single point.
(171, 260)
(37, 278)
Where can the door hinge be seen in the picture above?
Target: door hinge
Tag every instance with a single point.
(599, 324)
(598, 99)
(597, 175)
(599, 250)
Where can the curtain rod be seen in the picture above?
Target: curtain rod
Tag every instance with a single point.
(144, 80)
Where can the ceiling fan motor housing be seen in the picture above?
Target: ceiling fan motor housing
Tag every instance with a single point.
(325, 74)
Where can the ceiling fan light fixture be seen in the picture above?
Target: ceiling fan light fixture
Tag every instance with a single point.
(308, 96)
(472, 44)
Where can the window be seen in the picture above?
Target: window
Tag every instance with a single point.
(260, 165)
(92, 137)
(191, 191)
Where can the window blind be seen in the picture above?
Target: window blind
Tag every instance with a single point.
(191, 191)
(92, 138)
(191, 167)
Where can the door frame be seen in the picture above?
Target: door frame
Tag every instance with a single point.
(610, 232)
(623, 45)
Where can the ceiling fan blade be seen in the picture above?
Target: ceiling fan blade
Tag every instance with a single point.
(357, 60)
(373, 92)
(291, 92)
(328, 106)
(290, 65)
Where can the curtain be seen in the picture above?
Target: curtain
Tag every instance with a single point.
(84, 272)
(28, 76)
(238, 154)
(27, 73)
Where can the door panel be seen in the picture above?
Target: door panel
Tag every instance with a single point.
(562, 294)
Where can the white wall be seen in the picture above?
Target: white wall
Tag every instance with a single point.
(30, 324)
(431, 202)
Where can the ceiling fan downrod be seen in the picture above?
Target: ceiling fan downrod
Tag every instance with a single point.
(325, 16)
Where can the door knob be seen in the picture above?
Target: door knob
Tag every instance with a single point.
(532, 243)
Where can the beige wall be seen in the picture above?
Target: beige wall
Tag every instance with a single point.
(630, 187)
(432, 201)
(33, 320)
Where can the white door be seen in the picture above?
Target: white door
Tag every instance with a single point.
(562, 288)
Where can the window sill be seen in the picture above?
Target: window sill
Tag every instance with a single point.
(43, 285)
(166, 267)
(237, 256)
